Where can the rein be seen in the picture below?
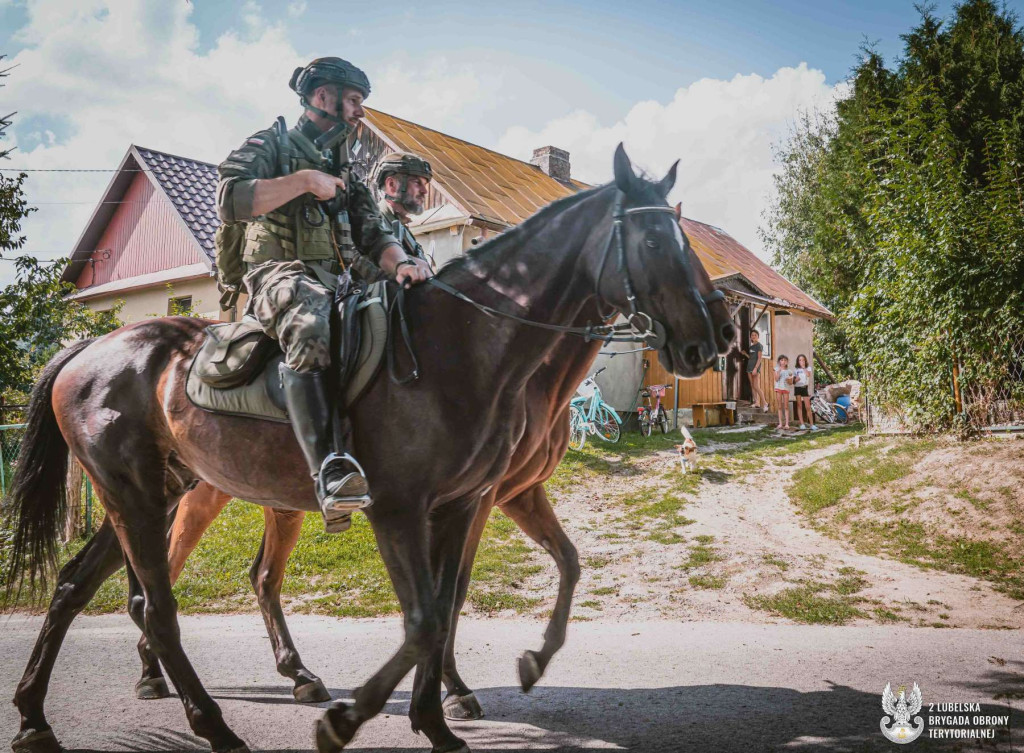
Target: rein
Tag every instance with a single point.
(639, 326)
(649, 331)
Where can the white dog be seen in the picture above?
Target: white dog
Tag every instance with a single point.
(687, 451)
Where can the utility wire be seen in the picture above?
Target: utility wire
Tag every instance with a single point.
(72, 170)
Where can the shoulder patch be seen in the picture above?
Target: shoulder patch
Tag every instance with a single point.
(256, 141)
(242, 156)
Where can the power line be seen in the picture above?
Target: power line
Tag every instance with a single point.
(72, 170)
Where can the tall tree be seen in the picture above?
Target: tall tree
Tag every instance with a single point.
(902, 211)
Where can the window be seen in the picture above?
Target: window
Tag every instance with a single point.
(181, 306)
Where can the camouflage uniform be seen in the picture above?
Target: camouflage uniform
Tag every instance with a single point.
(401, 231)
(291, 253)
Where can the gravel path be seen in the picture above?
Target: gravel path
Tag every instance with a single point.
(762, 546)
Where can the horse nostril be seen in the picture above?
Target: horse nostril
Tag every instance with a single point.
(692, 356)
(728, 333)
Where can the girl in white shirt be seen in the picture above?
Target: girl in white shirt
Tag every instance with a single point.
(783, 378)
(803, 378)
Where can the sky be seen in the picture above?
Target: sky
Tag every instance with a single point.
(717, 85)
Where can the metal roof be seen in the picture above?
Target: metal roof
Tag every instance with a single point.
(724, 256)
(191, 186)
(483, 184)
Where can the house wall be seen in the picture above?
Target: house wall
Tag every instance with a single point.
(444, 244)
(144, 235)
(620, 380)
(150, 302)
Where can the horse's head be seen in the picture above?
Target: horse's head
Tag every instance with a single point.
(721, 316)
(648, 254)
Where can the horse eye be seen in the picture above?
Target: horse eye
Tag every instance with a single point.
(651, 241)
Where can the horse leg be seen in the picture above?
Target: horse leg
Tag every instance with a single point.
(280, 533)
(533, 514)
(461, 703)
(403, 540)
(449, 530)
(77, 583)
(196, 511)
(141, 526)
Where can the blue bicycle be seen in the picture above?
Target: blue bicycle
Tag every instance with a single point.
(590, 414)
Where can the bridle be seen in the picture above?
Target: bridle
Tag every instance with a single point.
(639, 327)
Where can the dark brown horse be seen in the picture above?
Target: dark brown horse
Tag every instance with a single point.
(118, 403)
(520, 495)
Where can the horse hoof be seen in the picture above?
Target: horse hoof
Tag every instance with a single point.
(456, 746)
(462, 708)
(35, 741)
(151, 689)
(311, 692)
(529, 670)
(334, 730)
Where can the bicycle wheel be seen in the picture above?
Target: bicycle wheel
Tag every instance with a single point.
(663, 420)
(644, 420)
(577, 429)
(842, 416)
(607, 424)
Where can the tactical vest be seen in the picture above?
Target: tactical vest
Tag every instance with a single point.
(299, 229)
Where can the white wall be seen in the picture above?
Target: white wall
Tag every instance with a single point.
(622, 377)
(150, 302)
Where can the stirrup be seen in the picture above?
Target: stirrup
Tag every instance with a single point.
(353, 492)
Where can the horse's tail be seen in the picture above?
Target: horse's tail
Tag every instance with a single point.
(36, 505)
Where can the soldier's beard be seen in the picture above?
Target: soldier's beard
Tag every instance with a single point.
(412, 206)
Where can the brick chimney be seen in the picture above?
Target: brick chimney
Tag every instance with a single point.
(553, 161)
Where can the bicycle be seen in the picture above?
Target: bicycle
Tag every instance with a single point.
(829, 413)
(590, 414)
(648, 415)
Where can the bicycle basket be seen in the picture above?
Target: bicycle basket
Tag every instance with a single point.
(657, 390)
(587, 389)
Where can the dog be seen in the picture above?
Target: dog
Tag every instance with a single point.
(687, 452)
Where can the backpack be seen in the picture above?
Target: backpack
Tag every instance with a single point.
(228, 241)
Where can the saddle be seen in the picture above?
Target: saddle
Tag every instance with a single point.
(235, 371)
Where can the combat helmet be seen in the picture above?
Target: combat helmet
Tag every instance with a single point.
(304, 82)
(400, 163)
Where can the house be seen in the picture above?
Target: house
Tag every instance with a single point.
(150, 244)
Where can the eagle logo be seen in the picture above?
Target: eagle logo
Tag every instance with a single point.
(900, 708)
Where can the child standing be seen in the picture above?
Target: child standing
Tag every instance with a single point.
(783, 378)
(803, 379)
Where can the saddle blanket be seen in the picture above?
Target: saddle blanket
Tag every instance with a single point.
(237, 353)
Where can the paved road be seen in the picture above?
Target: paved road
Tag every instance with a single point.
(662, 686)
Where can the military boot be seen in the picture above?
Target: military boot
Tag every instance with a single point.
(341, 485)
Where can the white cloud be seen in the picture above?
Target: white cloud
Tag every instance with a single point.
(116, 73)
(722, 131)
(296, 8)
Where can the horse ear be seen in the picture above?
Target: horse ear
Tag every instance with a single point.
(679, 211)
(665, 184)
(625, 178)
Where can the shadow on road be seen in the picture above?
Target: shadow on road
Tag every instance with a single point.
(704, 718)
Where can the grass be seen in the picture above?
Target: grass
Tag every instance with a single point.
(827, 482)
(841, 481)
(813, 603)
(341, 575)
(708, 582)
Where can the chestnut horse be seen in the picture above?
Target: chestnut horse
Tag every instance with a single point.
(520, 495)
(118, 404)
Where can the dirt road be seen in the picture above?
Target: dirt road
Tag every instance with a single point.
(739, 536)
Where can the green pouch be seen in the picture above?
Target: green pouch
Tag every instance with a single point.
(233, 353)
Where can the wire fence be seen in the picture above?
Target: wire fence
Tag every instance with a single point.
(985, 395)
(81, 507)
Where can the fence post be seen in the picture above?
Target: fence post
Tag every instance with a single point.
(957, 401)
(88, 505)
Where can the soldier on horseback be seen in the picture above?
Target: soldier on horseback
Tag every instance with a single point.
(402, 180)
(309, 218)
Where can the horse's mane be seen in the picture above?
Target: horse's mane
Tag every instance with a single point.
(523, 230)
(643, 189)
